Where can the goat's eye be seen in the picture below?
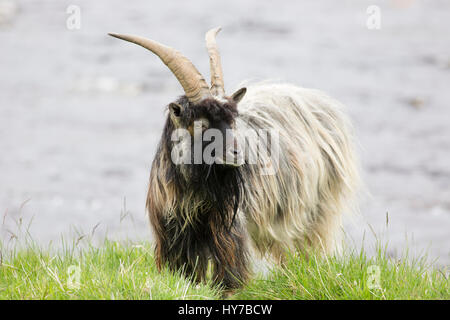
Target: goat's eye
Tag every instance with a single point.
(201, 124)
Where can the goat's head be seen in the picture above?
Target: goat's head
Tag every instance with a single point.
(201, 123)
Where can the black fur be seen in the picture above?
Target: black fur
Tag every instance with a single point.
(213, 233)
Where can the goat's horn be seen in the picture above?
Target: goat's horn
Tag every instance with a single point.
(191, 80)
(217, 85)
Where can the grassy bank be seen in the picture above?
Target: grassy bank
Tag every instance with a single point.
(128, 271)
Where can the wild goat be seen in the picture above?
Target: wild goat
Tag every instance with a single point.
(288, 197)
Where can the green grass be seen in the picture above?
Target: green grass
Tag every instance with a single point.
(113, 271)
(127, 271)
(352, 275)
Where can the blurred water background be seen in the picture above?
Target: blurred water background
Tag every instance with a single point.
(81, 113)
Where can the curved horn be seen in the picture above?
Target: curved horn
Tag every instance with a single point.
(217, 85)
(191, 80)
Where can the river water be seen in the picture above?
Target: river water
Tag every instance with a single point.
(81, 113)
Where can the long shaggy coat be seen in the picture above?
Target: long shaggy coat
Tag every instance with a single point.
(221, 215)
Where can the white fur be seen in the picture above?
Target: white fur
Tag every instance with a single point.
(300, 205)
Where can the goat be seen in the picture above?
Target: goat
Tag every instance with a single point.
(223, 211)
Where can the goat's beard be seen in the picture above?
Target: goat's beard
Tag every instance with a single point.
(219, 187)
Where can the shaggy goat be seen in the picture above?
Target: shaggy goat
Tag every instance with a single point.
(247, 199)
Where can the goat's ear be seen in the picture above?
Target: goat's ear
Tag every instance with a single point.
(175, 110)
(238, 95)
